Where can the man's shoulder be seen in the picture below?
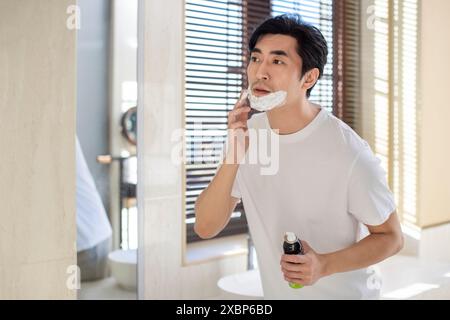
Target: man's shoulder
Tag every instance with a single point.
(344, 138)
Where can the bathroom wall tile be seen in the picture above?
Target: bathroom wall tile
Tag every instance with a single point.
(37, 143)
(43, 280)
(160, 177)
(162, 248)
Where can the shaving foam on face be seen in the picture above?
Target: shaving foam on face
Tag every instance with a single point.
(267, 102)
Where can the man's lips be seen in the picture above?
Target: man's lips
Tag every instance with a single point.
(260, 92)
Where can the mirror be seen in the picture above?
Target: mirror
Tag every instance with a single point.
(129, 125)
(106, 128)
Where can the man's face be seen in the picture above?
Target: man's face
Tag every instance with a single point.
(275, 65)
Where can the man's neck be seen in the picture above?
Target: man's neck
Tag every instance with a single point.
(293, 118)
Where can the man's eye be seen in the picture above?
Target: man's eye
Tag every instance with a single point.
(254, 59)
(276, 61)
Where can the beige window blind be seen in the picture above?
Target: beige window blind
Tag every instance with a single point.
(395, 99)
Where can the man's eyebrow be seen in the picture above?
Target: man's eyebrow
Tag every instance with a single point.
(279, 53)
(274, 52)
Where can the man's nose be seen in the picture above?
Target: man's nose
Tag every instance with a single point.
(262, 73)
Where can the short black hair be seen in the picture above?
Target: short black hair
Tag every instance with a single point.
(311, 44)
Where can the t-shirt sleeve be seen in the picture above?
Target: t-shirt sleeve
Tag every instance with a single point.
(369, 199)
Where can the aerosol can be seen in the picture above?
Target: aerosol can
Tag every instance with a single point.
(292, 245)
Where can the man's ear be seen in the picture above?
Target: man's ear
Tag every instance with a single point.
(310, 78)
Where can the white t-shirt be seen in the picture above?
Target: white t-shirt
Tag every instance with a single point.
(327, 186)
(93, 225)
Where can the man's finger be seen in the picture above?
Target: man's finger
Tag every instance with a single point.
(234, 115)
(294, 258)
(292, 273)
(306, 246)
(242, 100)
(238, 125)
(295, 267)
(291, 267)
(296, 281)
(236, 112)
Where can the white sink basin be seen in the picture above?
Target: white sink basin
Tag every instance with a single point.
(123, 268)
(245, 285)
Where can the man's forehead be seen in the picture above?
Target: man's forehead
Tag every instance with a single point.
(271, 42)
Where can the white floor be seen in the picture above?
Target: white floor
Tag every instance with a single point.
(407, 277)
(106, 289)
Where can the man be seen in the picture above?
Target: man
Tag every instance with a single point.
(329, 188)
(93, 227)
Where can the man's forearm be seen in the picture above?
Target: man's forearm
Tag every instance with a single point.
(212, 209)
(371, 250)
(221, 185)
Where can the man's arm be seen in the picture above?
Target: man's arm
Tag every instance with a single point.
(215, 204)
(384, 241)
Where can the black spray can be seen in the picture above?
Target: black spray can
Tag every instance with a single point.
(292, 245)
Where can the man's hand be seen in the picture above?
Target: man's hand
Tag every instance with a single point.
(304, 269)
(238, 136)
(383, 242)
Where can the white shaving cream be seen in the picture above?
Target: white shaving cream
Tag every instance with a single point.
(266, 102)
